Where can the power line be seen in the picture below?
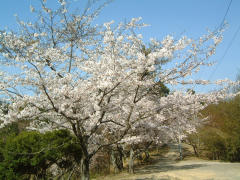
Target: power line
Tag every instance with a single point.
(219, 27)
(229, 45)
(225, 15)
(225, 52)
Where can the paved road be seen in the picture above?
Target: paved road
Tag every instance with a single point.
(189, 170)
(169, 169)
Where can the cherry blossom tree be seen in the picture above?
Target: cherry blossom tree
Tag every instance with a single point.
(178, 114)
(64, 72)
(140, 138)
(182, 115)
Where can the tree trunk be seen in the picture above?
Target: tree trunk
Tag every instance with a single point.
(131, 162)
(147, 156)
(120, 158)
(195, 150)
(114, 161)
(117, 159)
(180, 151)
(84, 164)
(85, 157)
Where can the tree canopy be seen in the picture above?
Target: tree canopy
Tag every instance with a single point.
(98, 81)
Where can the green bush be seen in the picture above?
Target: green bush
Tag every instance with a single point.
(32, 153)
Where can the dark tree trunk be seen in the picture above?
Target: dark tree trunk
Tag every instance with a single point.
(117, 159)
(84, 164)
(147, 156)
(114, 161)
(131, 162)
(85, 157)
(120, 158)
(195, 150)
(85, 160)
(180, 151)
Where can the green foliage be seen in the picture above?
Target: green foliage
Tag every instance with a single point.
(159, 90)
(32, 153)
(237, 88)
(9, 130)
(214, 142)
(220, 137)
(4, 107)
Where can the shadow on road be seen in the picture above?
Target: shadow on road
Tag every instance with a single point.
(162, 178)
(166, 166)
(167, 163)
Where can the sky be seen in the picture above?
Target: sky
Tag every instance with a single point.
(175, 17)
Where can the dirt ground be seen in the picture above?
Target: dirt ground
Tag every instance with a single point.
(167, 168)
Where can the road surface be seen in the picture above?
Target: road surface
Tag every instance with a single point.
(167, 168)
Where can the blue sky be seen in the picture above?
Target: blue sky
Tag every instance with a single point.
(175, 17)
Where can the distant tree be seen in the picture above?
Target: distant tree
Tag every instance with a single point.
(237, 88)
(220, 135)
